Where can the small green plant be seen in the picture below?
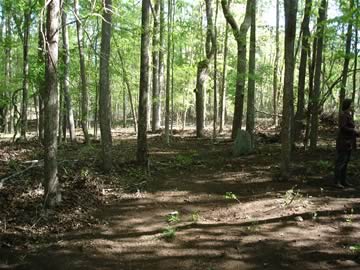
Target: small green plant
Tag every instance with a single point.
(355, 247)
(173, 217)
(253, 227)
(349, 218)
(184, 160)
(324, 164)
(169, 234)
(292, 195)
(195, 217)
(231, 196)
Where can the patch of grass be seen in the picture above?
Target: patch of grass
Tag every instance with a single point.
(184, 160)
(355, 247)
(195, 217)
(173, 217)
(231, 196)
(169, 234)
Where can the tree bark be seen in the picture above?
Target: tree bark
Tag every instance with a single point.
(305, 50)
(168, 74)
(290, 7)
(240, 34)
(223, 82)
(84, 90)
(317, 76)
(215, 74)
(155, 124)
(66, 82)
(52, 187)
(276, 64)
(356, 41)
(202, 71)
(250, 118)
(346, 59)
(104, 88)
(161, 54)
(142, 149)
(25, 92)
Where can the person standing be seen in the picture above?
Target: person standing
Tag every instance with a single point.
(345, 143)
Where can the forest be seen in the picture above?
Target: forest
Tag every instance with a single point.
(179, 134)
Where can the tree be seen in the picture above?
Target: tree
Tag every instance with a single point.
(202, 71)
(104, 88)
(155, 125)
(347, 57)
(222, 106)
(276, 64)
(142, 151)
(290, 7)
(317, 75)
(250, 117)
(84, 90)
(52, 187)
(305, 51)
(240, 37)
(168, 79)
(66, 82)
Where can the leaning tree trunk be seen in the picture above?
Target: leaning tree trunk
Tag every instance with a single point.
(84, 90)
(52, 187)
(346, 59)
(8, 125)
(240, 34)
(250, 117)
(142, 148)
(276, 64)
(104, 88)
(288, 107)
(155, 124)
(317, 76)
(67, 97)
(41, 82)
(202, 71)
(305, 49)
(25, 90)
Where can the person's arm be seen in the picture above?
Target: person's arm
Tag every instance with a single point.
(344, 125)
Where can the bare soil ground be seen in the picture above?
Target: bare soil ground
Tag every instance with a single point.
(194, 207)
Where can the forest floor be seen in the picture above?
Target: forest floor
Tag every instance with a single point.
(194, 207)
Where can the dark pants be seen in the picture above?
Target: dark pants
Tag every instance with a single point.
(342, 160)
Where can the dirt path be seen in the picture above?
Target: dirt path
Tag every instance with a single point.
(232, 214)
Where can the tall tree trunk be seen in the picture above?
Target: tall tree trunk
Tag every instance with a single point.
(41, 81)
(223, 81)
(250, 118)
(155, 124)
(124, 107)
(305, 49)
(276, 64)
(312, 62)
(202, 71)
(66, 82)
(52, 187)
(127, 83)
(317, 76)
(104, 88)
(96, 113)
(356, 41)
(288, 107)
(240, 34)
(172, 67)
(25, 92)
(346, 59)
(84, 90)
(8, 128)
(215, 74)
(142, 149)
(161, 53)
(168, 74)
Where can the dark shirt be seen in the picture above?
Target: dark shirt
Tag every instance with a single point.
(346, 138)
